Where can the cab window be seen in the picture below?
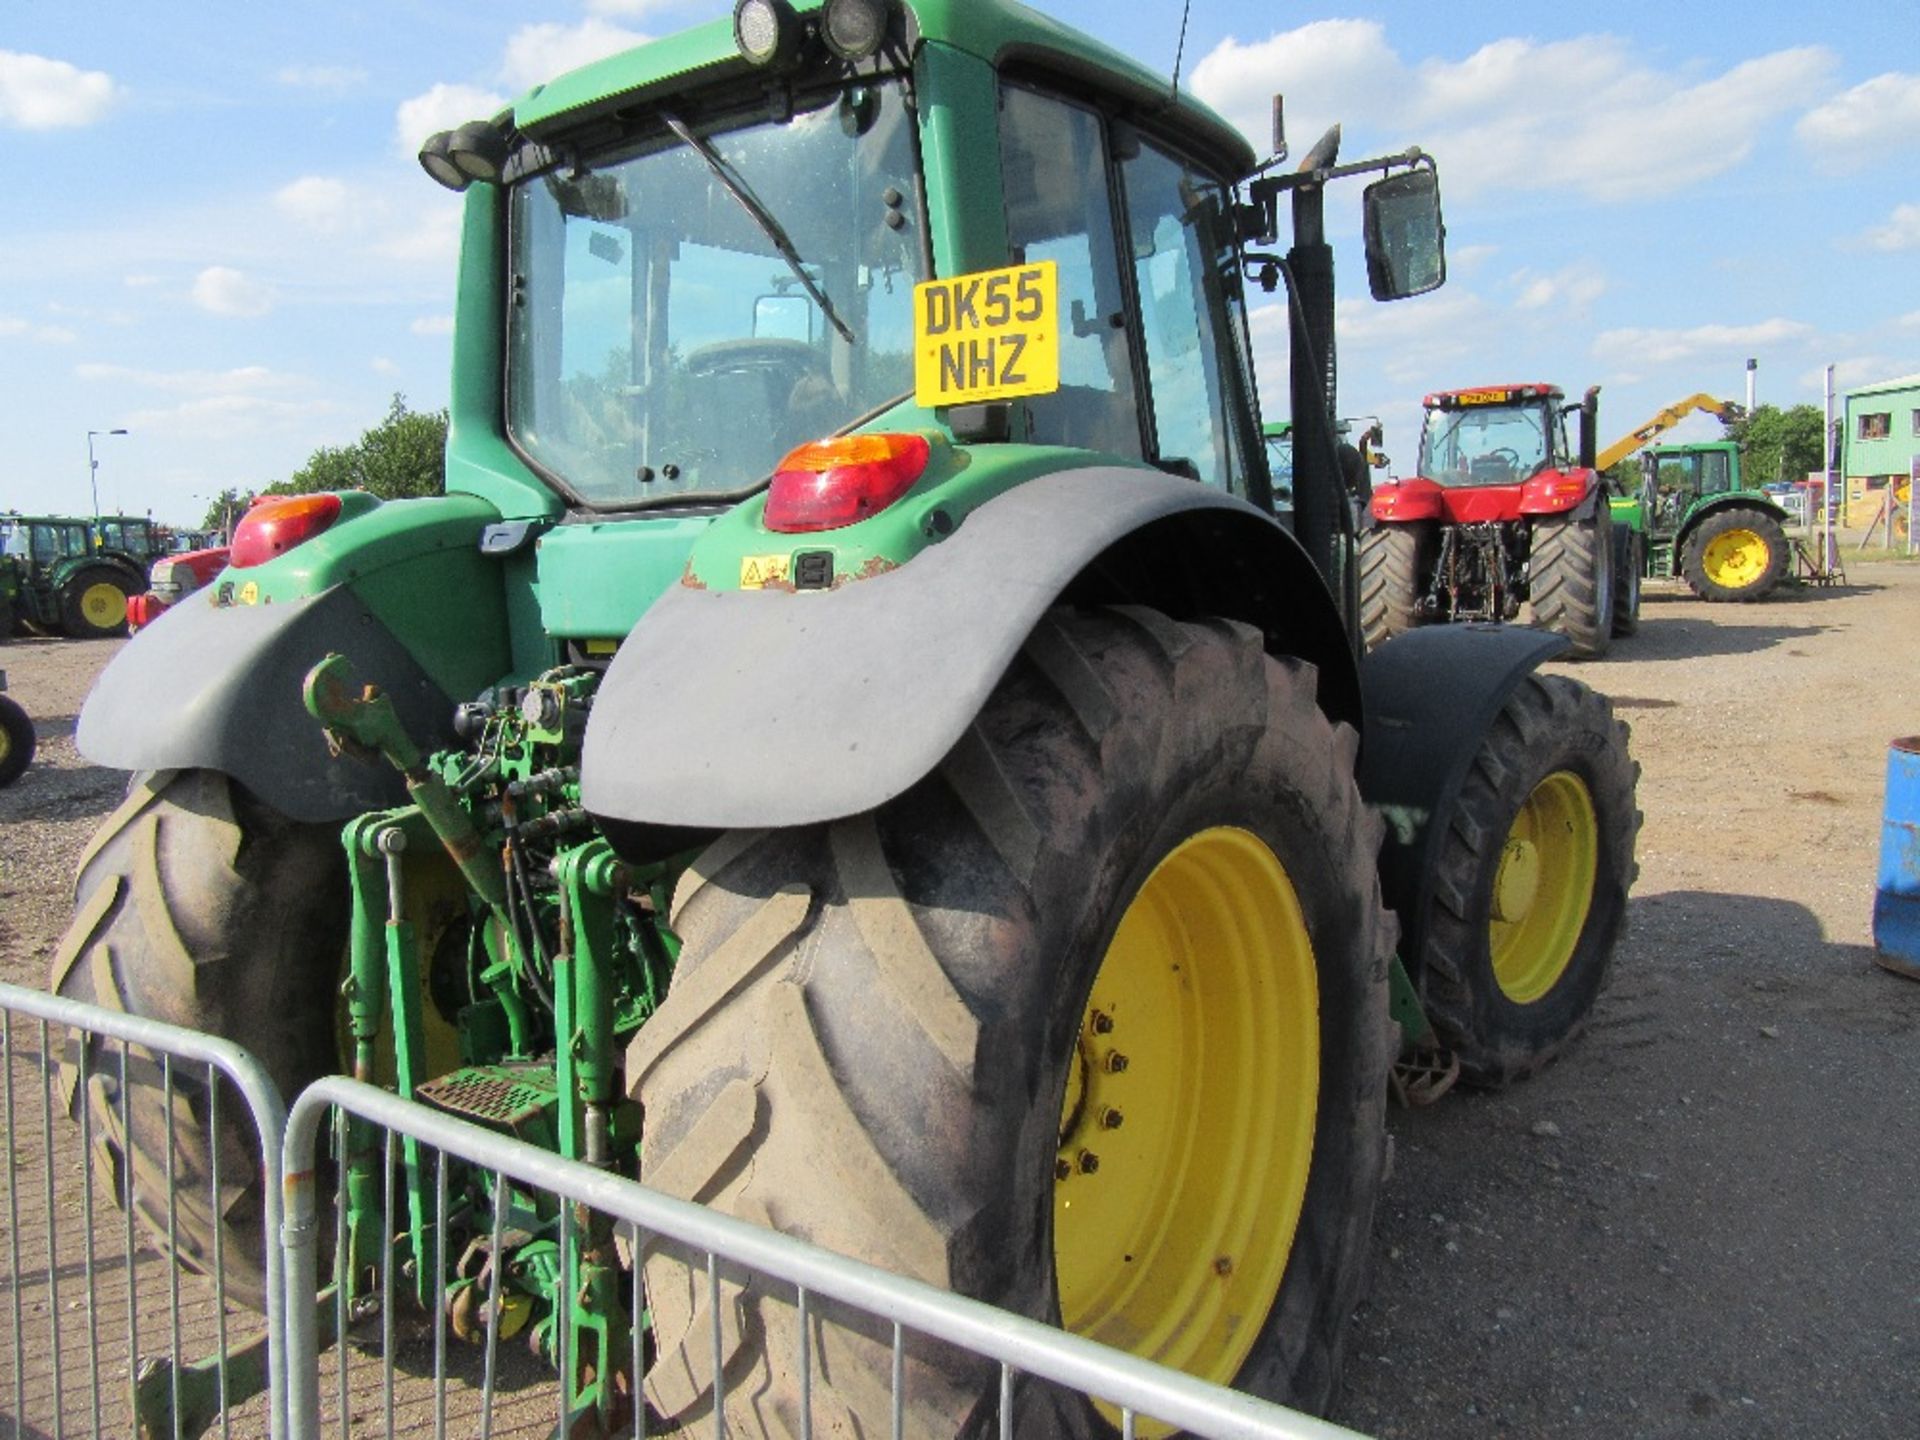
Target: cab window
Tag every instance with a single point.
(1053, 165)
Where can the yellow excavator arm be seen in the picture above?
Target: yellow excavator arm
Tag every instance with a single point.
(1665, 421)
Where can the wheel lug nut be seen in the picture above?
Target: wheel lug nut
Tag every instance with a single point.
(1102, 1023)
(1111, 1118)
(1116, 1062)
(1089, 1162)
(1062, 1168)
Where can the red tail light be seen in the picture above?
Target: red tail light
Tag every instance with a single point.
(826, 484)
(273, 527)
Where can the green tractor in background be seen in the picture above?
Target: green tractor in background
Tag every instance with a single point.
(1693, 517)
(853, 747)
(73, 577)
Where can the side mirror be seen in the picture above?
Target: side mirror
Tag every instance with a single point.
(1406, 239)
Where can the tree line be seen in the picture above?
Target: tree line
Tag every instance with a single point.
(403, 456)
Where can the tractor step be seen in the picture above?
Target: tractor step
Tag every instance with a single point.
(502, 1097)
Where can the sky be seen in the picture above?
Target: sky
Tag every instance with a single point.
(214, 233)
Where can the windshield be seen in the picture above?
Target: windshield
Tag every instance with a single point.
(660, 344)
(1492, 445)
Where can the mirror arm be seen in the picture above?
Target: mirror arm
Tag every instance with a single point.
(1265, 190)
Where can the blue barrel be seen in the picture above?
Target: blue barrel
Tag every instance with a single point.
(1896, 899)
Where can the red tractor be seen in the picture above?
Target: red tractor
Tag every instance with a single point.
(173, 578)
(1500, 512)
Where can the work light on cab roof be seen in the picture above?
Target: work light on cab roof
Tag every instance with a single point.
(770, 33)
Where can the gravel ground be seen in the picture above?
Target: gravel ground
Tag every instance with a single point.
(1701, 1221)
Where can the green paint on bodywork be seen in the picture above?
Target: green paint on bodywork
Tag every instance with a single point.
(417, 565)
(1403, 1004)
(595, 580)
(958, 481)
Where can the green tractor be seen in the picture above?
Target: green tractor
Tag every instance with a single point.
(1693, 517)
(853, 747)
(71, 576)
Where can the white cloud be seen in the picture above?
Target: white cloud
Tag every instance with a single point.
(1901, 232)
(1878, 114)
(630, 9)
(381, 365)
(432, 325)
(1319, 67)
(223, 290)
(15, 328)
(140, 282)
(1663, 347)
(1636, 132)
(246, 378)
(330, 79)
(1569, 291)
(1854, 370)
(225, 417)
(316, 202)
(441, 108)
(1909, 321)
(41, 94)
(433, 236)
(537, 53)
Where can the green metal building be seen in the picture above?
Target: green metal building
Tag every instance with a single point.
(1882, 431)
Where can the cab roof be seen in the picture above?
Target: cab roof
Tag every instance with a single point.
(1000, 32)
(1491, 395)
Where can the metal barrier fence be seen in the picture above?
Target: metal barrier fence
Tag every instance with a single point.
(81, 1279)
(645, 1220)
(115, 1072)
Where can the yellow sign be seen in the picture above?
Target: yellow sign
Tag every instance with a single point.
(759, 571)
(1483, 397)
(992, 335)
(250, 593)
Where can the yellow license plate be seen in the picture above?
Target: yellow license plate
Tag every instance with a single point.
(991, 335)
(1483, 397)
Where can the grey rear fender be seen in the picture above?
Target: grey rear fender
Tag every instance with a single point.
(1431, 694)
(218, 687)
(738, 709)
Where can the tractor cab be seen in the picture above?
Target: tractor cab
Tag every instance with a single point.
(1493, 436)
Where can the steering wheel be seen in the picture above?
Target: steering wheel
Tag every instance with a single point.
(1506, 455)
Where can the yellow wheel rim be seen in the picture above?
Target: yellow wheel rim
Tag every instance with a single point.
(103, 605)
(1543, 888)
(6, 745)
(1186, 1135)
(1735, 559)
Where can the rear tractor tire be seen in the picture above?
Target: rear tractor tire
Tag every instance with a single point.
(1090, 1024)
(198, 905)
(1631, 565)
(1393, 564)
(93, 604)
(1570, 579)
(1735, 554)
(1530, 882)
(16, 741)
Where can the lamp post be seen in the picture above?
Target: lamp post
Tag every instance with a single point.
(93, 469)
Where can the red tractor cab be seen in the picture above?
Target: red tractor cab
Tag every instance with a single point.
(1501, 512)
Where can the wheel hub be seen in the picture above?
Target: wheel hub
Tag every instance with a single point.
(103, 605)
(1735, 558)
(1543, 888)
(1186, 1126)
(1518, 882)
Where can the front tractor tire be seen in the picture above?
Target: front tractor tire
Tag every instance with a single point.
(1394, 560)
(1570, 579)
(1735, 554)
(16, 741)
(198, 905)
(1090, 1024)
(93, 604)
(1530, 882)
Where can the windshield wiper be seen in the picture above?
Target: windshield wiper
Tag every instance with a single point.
(770, 227)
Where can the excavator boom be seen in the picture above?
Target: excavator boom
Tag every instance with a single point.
(1665, 421)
